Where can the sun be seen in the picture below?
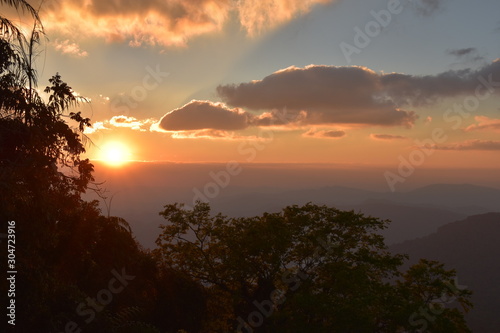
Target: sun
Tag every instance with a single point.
(115, 153)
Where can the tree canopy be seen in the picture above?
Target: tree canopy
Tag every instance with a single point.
(305, 269)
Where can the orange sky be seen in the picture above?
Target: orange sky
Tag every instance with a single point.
(384, 83)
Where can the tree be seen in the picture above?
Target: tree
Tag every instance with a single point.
(305, 269)
(9, 29)
(68, 250)
(39, 152)
(41, 173)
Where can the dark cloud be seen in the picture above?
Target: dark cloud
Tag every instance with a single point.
(388, 137)
(428, 7)
(211, 134)
(462, 52)
(422, 90)
(283, 117)
(472, 145)
(198, 115)
(467, 55)
(326, 134)
(356, 95)
(328, 95)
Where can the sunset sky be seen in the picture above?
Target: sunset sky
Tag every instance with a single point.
(353, 82)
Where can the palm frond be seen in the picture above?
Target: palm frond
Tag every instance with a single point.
(9, 30)
(22, 5)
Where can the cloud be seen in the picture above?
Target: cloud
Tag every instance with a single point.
(153, 22)
(468, 55)
(259, 15)
(328, 95)
(428, 7)
(357, 95)
(484, 124)
(425, 90)
(97, 126)
(153, 125)
(69, 48)
(166, 23)
(283, 119)
(132, 123)
(318, 95)
(388, 137)
(325, 134)
(199, 115)
(211, 134)
(472, 145)
(462, 52)
(122, 122)
(202, 134)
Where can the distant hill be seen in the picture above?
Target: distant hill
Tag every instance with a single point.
(464, 198)
(413, 214)
(472, 247)
(407, 221)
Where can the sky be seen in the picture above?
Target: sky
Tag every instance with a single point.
(394, 85)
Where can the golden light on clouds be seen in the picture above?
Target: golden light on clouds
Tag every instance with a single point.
(166, 23)
(259, 15)
(70, 48)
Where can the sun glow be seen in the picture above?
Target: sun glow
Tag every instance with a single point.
(115, 153)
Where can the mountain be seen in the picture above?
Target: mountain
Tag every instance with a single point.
(413, 214)
(464, 198)
(255, 201)
(407, 221)
(472, 247)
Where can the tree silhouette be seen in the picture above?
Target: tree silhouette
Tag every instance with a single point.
(41, 173)
(67, 249)
(10, 30)
(305, 269)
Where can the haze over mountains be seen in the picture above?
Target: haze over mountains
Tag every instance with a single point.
(414, 213)
(424, 219)
(471, 247)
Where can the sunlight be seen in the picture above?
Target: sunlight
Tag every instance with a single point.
(115, 153)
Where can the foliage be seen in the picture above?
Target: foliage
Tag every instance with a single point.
(305, 269)
(67, 249)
